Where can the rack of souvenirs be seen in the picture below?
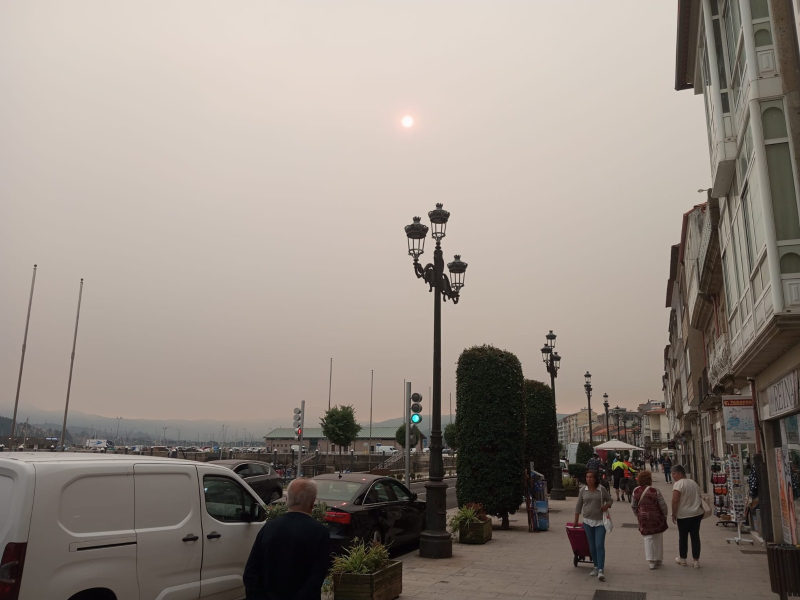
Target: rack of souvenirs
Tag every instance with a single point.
(536, 501)
(720, 477)
(736, 497)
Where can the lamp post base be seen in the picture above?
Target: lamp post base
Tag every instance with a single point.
(435, 544)
(558, 494)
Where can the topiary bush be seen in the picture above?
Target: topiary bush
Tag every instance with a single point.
(490, 401)
(541, 430)
(584, 453)
(578, 471)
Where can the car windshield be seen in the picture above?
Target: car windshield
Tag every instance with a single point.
(337, 489)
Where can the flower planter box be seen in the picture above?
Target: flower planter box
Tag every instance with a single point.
(571, 492)
(475, 533)
(386, 584)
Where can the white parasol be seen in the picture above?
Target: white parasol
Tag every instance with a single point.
(617, 445)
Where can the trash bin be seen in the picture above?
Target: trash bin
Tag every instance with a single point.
(784, 569)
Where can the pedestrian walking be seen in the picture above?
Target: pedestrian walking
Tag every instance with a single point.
(593, 501)
(667, 464)
(687, 512)
(652, 463)
(618, 472)
(651, 511)
(292, 554)
(594, 463)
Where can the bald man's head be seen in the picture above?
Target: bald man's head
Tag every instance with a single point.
(301, 495)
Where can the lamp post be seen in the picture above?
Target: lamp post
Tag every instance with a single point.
(435, 541)
(605, 405)
(588, 387)
(553, 363)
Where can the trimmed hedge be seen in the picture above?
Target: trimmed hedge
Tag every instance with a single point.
(578, 471)
(584, 453)
(541, 429)
(490, 417)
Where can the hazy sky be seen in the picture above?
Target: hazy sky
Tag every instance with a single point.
(232, 181)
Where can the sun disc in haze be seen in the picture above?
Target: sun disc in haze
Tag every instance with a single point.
(408, 121)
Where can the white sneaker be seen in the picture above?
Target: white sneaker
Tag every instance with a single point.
(652, 565)
(593, 573)
(696, 564)
(680, 561)
(658, 563)
(600, 575)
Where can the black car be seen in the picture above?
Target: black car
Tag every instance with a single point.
(259, 475)
(370, 508)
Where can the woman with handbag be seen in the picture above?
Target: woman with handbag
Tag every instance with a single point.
(594, 500)
(651, 510)
(687, 512)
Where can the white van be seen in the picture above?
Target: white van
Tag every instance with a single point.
(385, 450)
(123, 527)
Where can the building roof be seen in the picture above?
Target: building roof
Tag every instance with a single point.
(378, 433)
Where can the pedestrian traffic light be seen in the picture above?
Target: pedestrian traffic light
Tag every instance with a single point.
(416, 408)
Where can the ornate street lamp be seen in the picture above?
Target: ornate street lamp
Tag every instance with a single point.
(605, 405)
(435, 541)
(588, 387)
(553, 363)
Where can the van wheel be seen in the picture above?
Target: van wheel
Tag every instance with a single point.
(95, 594)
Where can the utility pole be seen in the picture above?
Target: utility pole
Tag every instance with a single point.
(407, 421)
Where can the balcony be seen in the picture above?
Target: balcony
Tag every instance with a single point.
(709, 269)
(720, 369)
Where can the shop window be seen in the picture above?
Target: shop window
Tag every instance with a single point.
(790, 263)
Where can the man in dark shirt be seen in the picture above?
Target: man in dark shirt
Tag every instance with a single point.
(292, 554)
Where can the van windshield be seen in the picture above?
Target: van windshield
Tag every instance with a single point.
(6, 494)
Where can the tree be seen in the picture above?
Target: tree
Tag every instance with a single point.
(451, 436)
(584, 452)
(400, 435)
(340, 427)
(490, 416)
(541, 430)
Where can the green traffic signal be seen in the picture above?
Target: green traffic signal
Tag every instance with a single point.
(415, 418)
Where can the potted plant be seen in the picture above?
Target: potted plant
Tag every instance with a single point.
(472, 524)
(365, 572)
(570, 486)
(278, 509)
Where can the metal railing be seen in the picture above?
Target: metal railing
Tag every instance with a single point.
(720, 365)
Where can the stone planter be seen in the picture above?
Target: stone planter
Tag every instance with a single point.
(475, 533)
(386, 584)
(571, 492)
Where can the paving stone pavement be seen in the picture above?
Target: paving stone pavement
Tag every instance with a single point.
(539, 565)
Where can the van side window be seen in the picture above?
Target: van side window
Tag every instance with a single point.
(226, 501)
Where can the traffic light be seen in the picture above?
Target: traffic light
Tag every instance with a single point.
(416, 408)
(298, 423)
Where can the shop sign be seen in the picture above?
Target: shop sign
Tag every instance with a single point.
(783, 396)
(740, 427)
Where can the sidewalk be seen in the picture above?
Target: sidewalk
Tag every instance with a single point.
(539, 565)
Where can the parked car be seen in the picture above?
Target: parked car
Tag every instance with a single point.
(259, 475)
(121, 526)
(370, 508)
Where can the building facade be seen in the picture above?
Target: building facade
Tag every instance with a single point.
(575, 427)
(734, 288)
(282, 440)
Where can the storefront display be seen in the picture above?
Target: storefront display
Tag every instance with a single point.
(736, 497)
(787, 459)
